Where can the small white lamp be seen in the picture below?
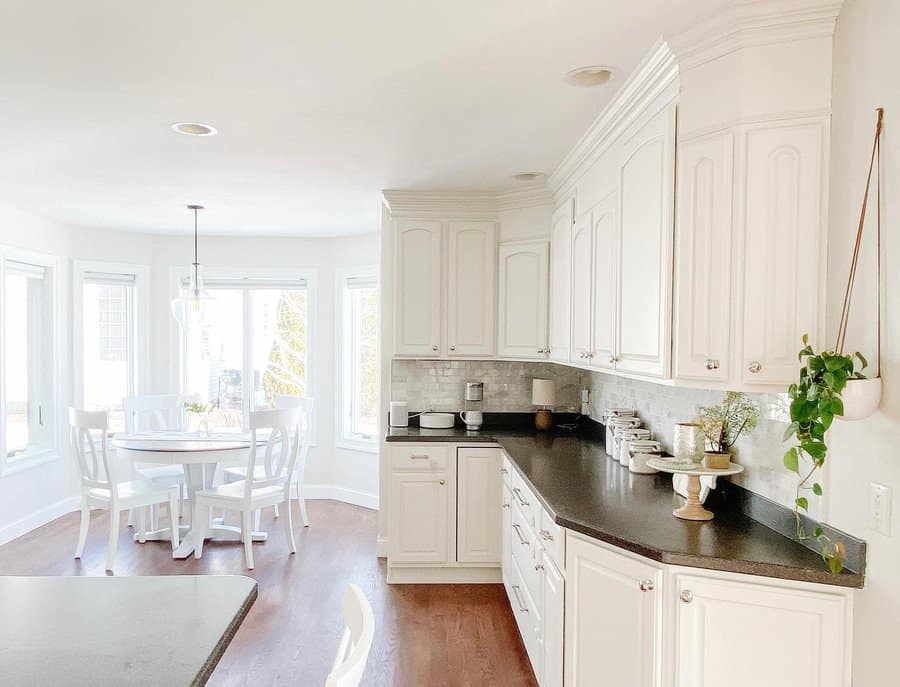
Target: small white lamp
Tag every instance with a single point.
(543, 395)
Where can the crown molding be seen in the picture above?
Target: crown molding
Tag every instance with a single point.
(464, 204)
(750, 23)
(655, 76)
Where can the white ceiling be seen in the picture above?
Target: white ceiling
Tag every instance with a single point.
(319, 105)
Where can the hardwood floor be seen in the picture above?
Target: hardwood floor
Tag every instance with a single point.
(426, 635)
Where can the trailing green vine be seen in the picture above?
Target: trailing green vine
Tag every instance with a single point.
(815, 402)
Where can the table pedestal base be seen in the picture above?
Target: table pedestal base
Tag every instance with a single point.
(215, 532)
(693, 509)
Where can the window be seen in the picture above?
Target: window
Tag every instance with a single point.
(358, 368)
(108, 334)
(252, 347)
(28, 358)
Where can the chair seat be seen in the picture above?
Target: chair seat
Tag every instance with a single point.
(135, 490)
(237, 473)
(173, 474)
(237, 491)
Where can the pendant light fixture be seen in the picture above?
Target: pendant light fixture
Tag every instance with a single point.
(189, 309)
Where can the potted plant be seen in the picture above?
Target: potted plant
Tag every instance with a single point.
(198, 414)
(723, 425)
(816, 399)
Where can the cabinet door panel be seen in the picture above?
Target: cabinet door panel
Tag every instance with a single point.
(581, 289)
(478, 517)
(470, 288)
(783, 215)
(506, 538)
(560, 281)
(524, 286)
(554, 614)
(417, 288)
(645, 253)
(420, 516)
(612, 626)
(605, 282)
(703, 259)
(745, 635)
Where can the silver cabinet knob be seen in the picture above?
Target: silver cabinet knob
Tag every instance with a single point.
(442, 482)
(754, 367)
(452, 348)
(505, 505)
(434, 348)
(546, 536)
(504, 471)
(712, 364)
(647, 585)
(687, 596)
(538, 566)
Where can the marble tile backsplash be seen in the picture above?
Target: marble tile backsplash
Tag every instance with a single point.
(440, 385)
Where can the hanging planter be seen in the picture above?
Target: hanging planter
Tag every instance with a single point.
(862, 396)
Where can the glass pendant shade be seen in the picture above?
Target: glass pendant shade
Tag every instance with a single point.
(190, 308)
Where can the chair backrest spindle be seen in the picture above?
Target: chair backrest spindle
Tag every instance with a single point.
(93, 465)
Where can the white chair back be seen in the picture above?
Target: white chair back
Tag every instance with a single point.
(356, 641)
(153, 412)
(306, 406)
(88, 428)
(279, 454)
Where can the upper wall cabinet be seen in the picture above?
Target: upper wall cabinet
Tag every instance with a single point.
(645, 250)
(433, 321)
(703, 244)
(522, 304)
(604, 220)
(471, 260)
(560, 280)
(582, 289)
(417, 290)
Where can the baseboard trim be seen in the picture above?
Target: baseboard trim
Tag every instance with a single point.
(32, 521)
(338, 493)
(397, 574)
(381, 547)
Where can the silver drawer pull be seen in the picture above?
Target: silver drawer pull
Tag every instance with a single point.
(546, 536)
(504, 471)
(647, 585)
(522, 540)
(518, 494)
(419, 457)
(538, 566)
(522, 607)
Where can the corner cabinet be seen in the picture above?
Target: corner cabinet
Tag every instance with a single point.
(523, 299)
(418, 250)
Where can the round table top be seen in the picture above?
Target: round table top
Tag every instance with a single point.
(692, 468)
(184, 447)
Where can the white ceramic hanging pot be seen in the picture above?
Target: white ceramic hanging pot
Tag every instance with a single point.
(861, 398)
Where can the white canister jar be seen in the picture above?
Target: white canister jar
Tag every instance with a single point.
(609, 417)
(624, 437)
(639, 452)
(615, 424)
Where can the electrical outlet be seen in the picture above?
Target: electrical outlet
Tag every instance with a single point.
(880, 508)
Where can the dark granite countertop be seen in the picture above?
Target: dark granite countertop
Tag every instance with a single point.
(587, 492)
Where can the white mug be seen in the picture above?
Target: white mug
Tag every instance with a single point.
(472, 418)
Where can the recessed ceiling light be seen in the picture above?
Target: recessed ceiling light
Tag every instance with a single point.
(528, 176)
(584, 77)
(194, 129)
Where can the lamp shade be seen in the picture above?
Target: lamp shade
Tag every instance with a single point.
(543, 392)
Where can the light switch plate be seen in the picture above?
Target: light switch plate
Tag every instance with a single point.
(880, 508)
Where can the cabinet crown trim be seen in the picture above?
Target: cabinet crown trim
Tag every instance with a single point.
(464, 204)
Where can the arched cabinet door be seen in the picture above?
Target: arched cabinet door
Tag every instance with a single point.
(471, 289)
(417, 288)
(524, 283)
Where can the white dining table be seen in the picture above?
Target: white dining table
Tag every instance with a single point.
(199, 454)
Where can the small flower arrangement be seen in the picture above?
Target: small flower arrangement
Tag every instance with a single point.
(724, 424)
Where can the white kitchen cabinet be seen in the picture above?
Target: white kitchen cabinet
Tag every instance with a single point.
(524, 274)
(613, 617)
(605, 244)
(647, 178)
(582, 289)
(417, 287)
(471, 260)
(783, 209)
(420, 517)
(561, 280)
(553, 623)
(506, 536)
(703, 263)
(746, 634)
(479, 495)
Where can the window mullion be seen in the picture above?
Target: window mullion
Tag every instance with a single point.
(247, 381)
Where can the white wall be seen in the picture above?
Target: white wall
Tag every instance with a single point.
(866, 54)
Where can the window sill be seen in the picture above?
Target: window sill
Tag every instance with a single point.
(361, 446)
(26, 462)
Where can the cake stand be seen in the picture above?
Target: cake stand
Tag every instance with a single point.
(693, 509)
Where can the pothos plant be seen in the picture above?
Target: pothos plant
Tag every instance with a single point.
(815, 402)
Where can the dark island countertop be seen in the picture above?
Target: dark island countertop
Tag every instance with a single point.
(587, 492)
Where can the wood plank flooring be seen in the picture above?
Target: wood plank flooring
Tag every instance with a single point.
(426, 635)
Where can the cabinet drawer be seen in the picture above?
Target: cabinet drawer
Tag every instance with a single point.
(525, 551)
(553, 539)
(528, 618)
(525, 499)
(420, 457)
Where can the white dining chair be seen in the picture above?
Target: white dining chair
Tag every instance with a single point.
(356, 640)
(100, 488)
(149, 413)
(277, 457)
(237, 473)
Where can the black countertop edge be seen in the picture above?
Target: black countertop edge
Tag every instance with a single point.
(218, 651)
(740, 513)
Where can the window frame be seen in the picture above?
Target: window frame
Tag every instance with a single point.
(139, 353)
(344, 438)
(10, 465)
(247, 279)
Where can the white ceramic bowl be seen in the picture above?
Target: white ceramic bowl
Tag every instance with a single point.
(437, 420)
